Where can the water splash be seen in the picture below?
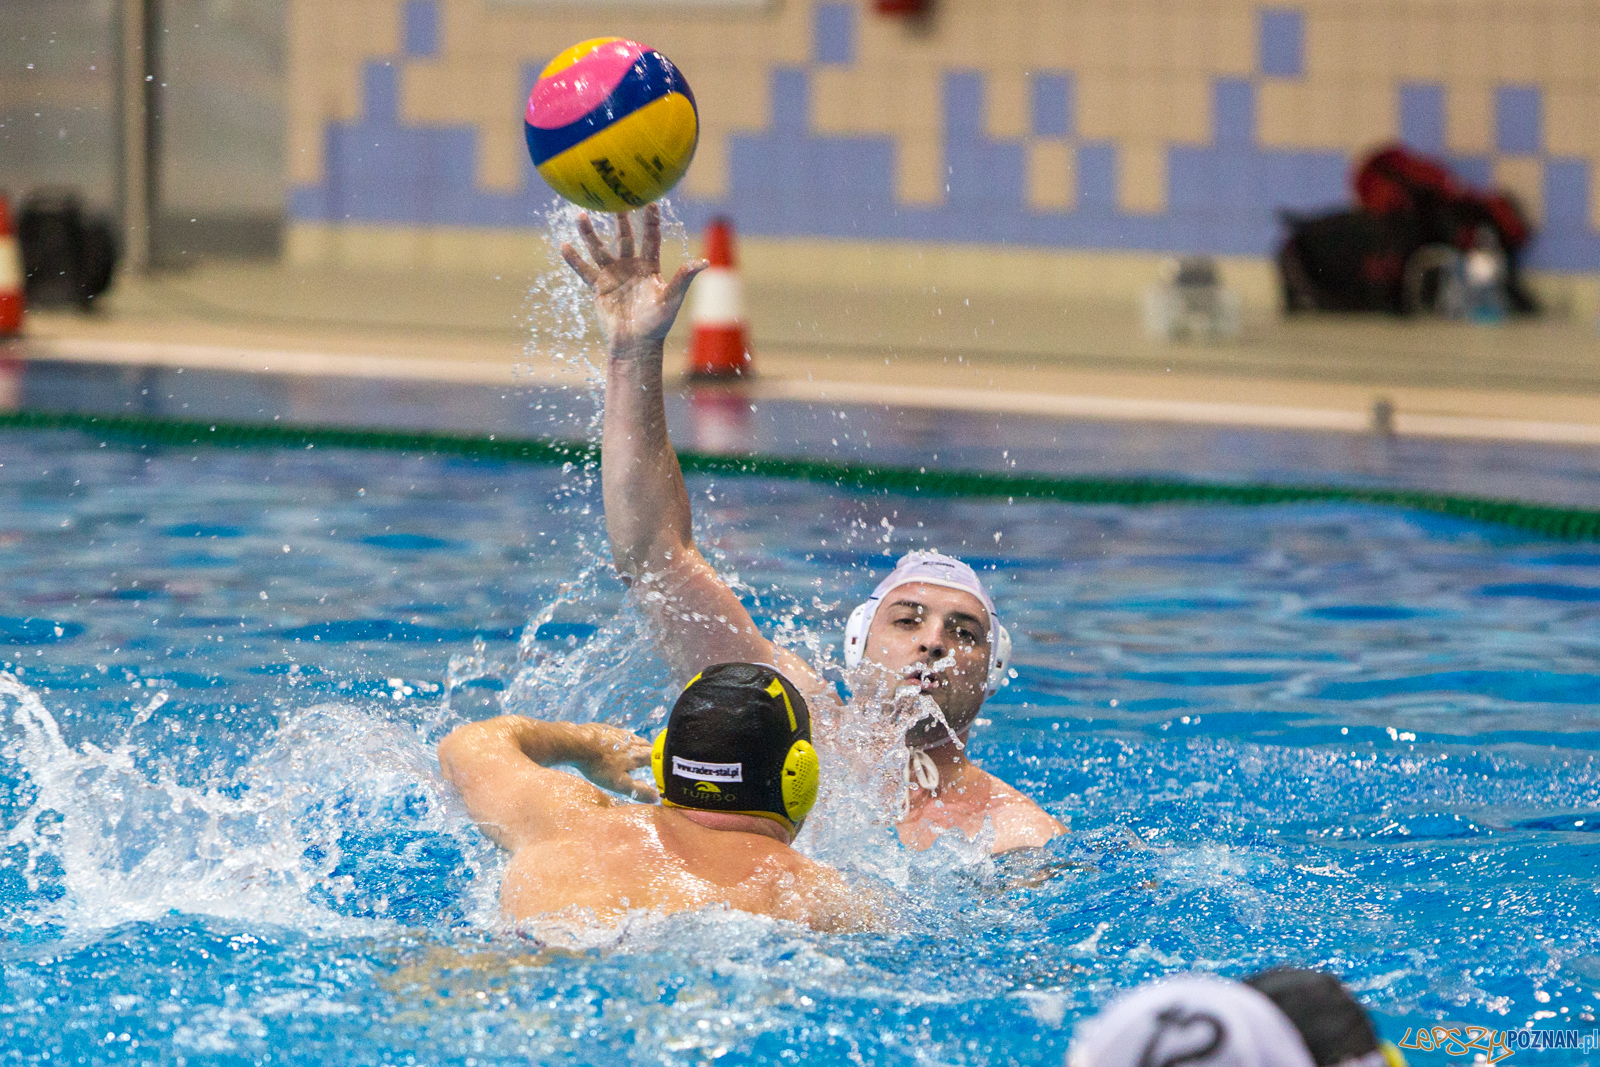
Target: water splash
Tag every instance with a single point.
(108, 834)
(564, 338)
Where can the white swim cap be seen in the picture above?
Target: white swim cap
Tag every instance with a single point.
(933, 568)
(1192, 1019)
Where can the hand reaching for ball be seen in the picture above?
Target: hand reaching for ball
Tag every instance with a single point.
(636, 307)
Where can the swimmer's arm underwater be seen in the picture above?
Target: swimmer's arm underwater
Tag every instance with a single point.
(502, 767)
(699, 620)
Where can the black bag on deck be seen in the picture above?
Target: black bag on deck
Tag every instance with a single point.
(1347, 261)
(1401, 249)
(1395, 180)
(68, 257)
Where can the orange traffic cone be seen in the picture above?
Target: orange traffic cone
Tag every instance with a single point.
(720, 344)
(11, 299)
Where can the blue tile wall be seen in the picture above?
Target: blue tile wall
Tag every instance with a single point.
(1280, 42)
(785, 181)
(380, 91)
(1474, 170)
(788, 180)
(1097, 178)
(791, 103)
(422, 28)
(1566, 192)
(834, 27)
(1567, 196)
(1233, 113)
(1518, 120)
(980, 171)
(1051, 104)
(1422, 117)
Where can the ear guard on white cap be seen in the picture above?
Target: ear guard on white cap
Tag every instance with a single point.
(860, 621)
(855, 632)
(999, 661)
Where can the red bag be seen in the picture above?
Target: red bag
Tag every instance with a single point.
(1397, 179)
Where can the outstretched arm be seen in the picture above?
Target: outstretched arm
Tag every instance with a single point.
(502, 768)
(698, 619)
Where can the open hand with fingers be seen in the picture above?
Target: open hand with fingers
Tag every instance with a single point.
(615, 752)
(636, 307)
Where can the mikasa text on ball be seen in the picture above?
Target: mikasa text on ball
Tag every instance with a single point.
(611, 124)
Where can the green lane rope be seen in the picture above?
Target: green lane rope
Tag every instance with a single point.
(1575, 524)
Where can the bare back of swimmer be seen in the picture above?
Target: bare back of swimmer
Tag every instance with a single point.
(579, 853)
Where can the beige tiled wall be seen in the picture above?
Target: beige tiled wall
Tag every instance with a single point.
(1143, 74)
(1050, 173)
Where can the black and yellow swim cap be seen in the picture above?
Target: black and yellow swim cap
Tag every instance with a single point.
(739, 741)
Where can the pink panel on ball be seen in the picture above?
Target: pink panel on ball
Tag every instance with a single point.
(572, 92)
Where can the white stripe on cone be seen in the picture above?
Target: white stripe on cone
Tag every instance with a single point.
(719, 346)
(718, 298)
(10, 263)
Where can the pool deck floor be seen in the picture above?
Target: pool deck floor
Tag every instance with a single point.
(1532, 381)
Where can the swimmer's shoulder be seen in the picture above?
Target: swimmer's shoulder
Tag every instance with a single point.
(732, 853)
(684, 865)
(831, 904)
(753, 872)
(1018, 820)
(602, 832)
(701, 845)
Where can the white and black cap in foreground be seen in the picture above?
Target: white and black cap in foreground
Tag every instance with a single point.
(1191, 1020)
(1285, 1017)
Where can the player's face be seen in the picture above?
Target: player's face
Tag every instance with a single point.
(919, 626)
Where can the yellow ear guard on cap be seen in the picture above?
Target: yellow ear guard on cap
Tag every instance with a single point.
(658, 757)
(800, 776)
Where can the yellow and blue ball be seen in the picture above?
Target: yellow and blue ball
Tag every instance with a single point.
(611, 124)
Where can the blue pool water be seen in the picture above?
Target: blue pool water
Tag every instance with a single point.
(1341, 737)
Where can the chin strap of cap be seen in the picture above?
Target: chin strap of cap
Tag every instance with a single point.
(921, 769)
